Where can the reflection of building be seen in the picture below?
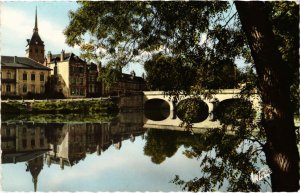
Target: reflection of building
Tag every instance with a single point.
(22, 141)
(35, 166)
(25, 142)
(64, 144)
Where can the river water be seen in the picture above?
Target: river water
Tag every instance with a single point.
(116, 153)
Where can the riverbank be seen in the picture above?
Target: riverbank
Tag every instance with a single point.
(107, 105)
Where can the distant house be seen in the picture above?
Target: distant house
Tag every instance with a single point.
(69, 74)
(21, 75)
(93, 84)
(125, 84)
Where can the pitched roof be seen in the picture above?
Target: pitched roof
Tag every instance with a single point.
(129, 77)
(21, 62)
(35, 39)
(56, 57)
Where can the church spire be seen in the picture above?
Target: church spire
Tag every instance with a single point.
(35, 29)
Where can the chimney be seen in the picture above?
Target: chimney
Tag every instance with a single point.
(15, 59)
(55, 68)
(62, 55)
(49, 57)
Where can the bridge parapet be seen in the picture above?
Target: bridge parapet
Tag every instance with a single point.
(221, 95)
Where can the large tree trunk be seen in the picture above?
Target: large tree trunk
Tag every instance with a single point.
(281, 148)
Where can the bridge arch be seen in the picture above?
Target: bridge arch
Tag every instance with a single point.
(156, 109)
(198, 113)
(233, 107)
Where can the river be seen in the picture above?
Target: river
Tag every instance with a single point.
(117, 153)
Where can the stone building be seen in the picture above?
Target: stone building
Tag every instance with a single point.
(21, 75)
(69, 74)
(93, 85)
(125, 84)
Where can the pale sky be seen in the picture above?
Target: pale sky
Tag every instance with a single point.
(17, 23)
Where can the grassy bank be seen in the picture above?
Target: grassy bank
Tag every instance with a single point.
(59, 107)
(60, 118)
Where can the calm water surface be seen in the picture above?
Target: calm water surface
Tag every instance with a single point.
(111, 155)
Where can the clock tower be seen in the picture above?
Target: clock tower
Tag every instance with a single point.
(35, 48)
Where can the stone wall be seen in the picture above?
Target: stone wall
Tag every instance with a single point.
(131, 103)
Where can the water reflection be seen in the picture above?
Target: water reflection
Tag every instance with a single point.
(64, 144)
(213, 159)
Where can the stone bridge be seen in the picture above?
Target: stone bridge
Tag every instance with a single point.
(158, 100)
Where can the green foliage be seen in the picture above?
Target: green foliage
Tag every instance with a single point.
(192, 110)
(222, 158)
(60, 118)
(60, 107)
(13, 108)
(285, 20)
(235, 111)
(168, 73)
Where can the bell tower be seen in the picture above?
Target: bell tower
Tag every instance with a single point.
(35, 48)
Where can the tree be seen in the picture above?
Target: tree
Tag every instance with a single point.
(168, 73)
(208, 37)
(274, 86)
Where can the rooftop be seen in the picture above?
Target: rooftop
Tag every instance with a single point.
(21, 62)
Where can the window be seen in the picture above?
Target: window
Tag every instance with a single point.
(81, 69)
(41, 142)
(72, 91)
(42, 77)
(32, 77)
(24, 88)
(42, 89)
(81, 91)
(36, 50)
(24, 143)
(33, 88)
(24, 76)
(8, 75)
(73, 80)
(8, 89)
(32, 143)
(30, 50)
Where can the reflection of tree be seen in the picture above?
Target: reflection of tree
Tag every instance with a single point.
(222, 163)
(227, 156)
(160, 145)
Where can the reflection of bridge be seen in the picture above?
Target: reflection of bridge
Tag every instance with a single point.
(159, 100)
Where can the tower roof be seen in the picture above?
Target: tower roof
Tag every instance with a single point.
(35, 39)
(35, 29)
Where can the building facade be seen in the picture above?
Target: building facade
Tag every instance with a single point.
(125, 84)
(93, 84)
(21, 75)
(69, 74)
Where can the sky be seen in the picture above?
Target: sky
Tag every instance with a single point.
(17, 23)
